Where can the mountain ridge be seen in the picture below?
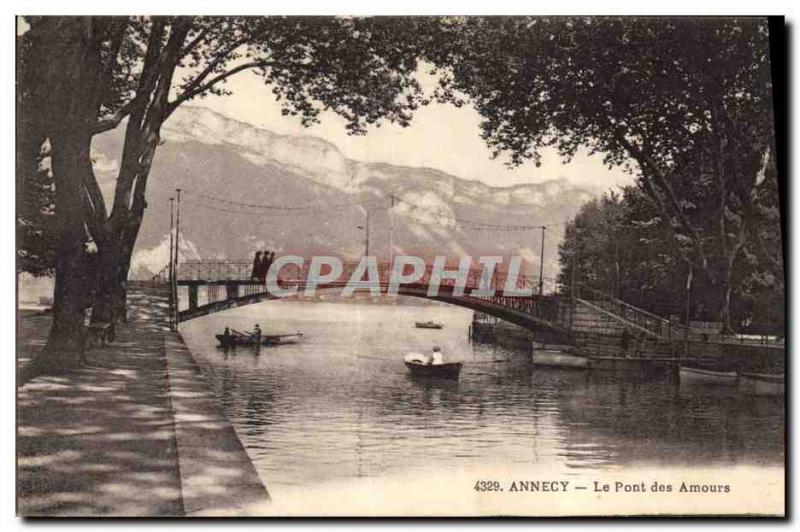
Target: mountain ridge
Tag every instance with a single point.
(230, 159)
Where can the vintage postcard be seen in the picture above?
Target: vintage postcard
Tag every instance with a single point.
(406, 266)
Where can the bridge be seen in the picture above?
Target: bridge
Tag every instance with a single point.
(210, 286)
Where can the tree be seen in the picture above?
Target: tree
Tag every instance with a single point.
(54, 67)
(35, 187)
(616, 244)
(140, 70)
(684, 103)
(35, 228)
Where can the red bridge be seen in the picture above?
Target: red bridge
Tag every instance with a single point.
(209, 286)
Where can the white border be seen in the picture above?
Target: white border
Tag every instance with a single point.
(301, 7)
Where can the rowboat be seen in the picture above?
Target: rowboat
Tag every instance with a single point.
(558, 359)
(689, 375)
(270, 340)
(428, 325)
(761, 384)
(445, 371)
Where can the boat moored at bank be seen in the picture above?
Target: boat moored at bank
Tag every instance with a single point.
(558, 358)
(691, 375)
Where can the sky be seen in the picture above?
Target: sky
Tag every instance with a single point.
(440, 136)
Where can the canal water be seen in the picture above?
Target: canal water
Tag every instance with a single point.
(340, 408)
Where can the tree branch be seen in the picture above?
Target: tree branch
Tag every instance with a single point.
(118, 27)
(219, 59)
(111, 122)
(646, 162)
(193, 43)
(188, 95)
(131, 147)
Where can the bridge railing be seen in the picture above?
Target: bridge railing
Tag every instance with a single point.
(653, 323)
(241, 270)
(214, 270)
(162, 276)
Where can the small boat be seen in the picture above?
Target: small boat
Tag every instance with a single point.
(427, 325)
(238, 339)
(766, 384)
(558, 359)
(689, 375)
(446, 371)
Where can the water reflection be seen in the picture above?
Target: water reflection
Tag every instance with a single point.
(341, 403)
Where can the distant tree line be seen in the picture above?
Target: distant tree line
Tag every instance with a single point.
(618, 244)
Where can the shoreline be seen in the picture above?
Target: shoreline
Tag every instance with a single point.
(217, 476)
(136, 432)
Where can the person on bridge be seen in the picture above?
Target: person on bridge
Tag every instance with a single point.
(436, 356)
(256, 266)
(270, 260)
(266, 262)
(625, 341)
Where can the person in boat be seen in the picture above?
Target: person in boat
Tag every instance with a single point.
(257, 334)
(435, 356)
(226, 334)
(255, 274)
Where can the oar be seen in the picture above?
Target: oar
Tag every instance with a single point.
(283, 335)
(394, 361)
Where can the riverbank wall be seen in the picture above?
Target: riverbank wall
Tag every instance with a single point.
(597, 337)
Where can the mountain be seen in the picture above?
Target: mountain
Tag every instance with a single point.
(212, 158)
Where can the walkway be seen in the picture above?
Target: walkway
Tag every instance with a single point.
(105, 439)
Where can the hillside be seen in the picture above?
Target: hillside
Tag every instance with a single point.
(208, 154)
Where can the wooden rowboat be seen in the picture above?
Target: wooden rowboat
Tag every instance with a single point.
(689, 375)
(427, 325)
(447, 371)
(761, 384)
(268, 340)
(558, 359)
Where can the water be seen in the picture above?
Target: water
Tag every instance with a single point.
(341, 406)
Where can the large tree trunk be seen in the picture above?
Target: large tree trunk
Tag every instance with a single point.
(726, 287)
(110, 304)
(69, 50)
(141, 142)
(725, 309)
(66, 341)
(127, 242)
(104, 309)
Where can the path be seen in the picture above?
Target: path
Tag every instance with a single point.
(102, 440)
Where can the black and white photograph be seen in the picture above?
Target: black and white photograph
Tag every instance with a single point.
(400, 265)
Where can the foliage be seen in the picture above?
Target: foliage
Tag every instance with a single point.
(35, 218)
(85, 75)
(684, 103)
(616, 244)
